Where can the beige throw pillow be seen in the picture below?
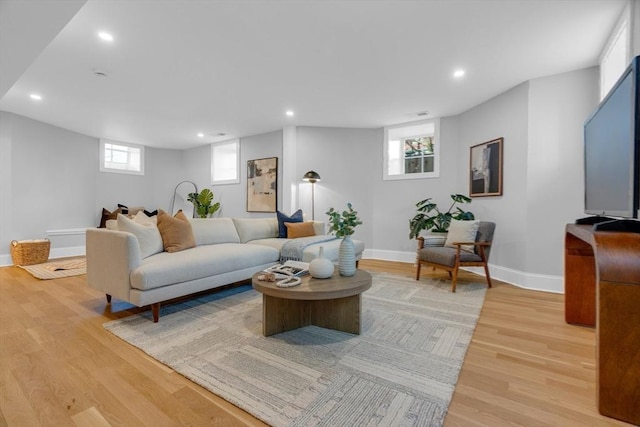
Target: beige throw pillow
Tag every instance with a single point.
(299, 229)
(148, 235)
(176, 231)
(462, 231)
(142, 218)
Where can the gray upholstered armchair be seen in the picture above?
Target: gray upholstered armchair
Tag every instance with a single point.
(451, 258)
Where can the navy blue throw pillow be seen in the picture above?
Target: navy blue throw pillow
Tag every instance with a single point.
(282, 218)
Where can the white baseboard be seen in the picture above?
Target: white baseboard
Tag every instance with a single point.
(5, 260)
(521, 279)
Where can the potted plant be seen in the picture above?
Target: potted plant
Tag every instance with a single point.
(202, 202)
(343, 225)
(429, 216)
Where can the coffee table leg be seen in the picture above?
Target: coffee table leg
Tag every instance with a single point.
(342, 314)
(281, 315)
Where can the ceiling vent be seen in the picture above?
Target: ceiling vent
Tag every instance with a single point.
(100, 73)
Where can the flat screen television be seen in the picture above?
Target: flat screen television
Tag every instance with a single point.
(612, 150)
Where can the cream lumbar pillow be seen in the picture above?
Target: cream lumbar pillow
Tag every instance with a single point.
(176, 231)
(148, 236)
(462, 231)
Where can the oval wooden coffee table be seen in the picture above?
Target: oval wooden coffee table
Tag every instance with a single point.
(333, 303)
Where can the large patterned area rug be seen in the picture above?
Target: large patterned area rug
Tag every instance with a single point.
(400, 371)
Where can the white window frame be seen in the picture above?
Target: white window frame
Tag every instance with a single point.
(620, 34)
(407, 131)
(220, 145)
(130, 169)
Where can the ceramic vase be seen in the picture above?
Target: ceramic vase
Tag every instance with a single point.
(321, 267)
(346, 257)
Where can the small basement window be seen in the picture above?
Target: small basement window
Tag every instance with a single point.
(411, 150)
(225, 162)
(121, 157)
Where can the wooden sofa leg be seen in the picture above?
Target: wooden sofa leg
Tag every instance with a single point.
(155, 309)
(108, 298)
(418, 270)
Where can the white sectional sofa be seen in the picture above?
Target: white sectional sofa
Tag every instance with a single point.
(228, 250)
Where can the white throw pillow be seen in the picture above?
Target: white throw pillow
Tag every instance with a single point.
(462, 231)
(142, 218)
(148, 236)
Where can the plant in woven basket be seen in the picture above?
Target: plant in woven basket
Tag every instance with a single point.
(202, 202)
(343, 224)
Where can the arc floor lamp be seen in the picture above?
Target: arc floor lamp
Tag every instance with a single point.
(312, 177)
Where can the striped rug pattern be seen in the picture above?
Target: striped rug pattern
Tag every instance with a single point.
(57, 269)
(400, 371)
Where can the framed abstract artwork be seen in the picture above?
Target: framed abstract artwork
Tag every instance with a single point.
(485, 174)
(262, 185)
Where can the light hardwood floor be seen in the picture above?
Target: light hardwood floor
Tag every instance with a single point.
(58, 366)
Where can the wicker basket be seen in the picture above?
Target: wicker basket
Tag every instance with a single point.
(30, 252)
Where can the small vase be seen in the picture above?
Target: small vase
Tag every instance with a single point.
(321, 268)
(346, 257)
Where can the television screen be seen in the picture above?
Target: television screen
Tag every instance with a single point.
(611, 151)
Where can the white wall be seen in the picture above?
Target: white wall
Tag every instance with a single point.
(394, 202)
(502, 116)
(345, 159)
(50, 182)
(558, 107)
(541, 122)
(233, 197)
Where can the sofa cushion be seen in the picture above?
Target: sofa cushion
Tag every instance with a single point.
(165, 268)
(212, 231)
(256, 228)
(144, 219)
(299, 229)
(445, 255)
(147, 234)
(176, 231)
(283, 218)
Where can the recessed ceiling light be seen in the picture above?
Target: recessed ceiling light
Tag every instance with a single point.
(105, 36)
(35, 97)
(458, 73)
(289, 113)
(200, 135)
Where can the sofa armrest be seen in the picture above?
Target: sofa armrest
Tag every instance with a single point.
(111, 256)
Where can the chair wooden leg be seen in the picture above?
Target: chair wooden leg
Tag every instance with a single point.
(486, 272)
(155, 309)
(454, 279)
(418, 270)
(108, 298)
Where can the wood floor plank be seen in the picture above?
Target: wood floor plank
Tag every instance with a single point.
(58, 366)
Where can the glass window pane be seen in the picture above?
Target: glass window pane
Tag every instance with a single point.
(428, 164)
(225, 162)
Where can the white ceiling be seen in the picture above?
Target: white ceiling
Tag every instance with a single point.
(179, 67)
